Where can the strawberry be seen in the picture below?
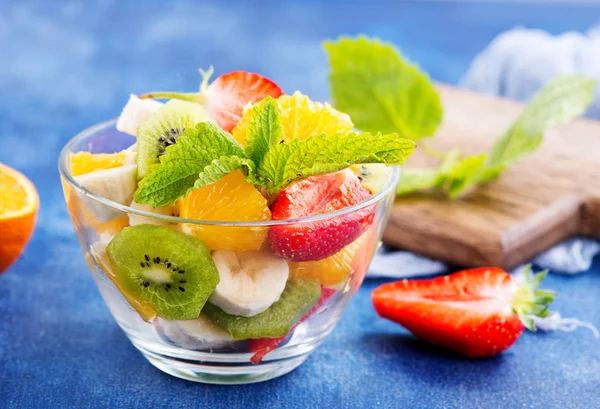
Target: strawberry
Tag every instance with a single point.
(263, 346)
(228, 94)
(226, 97)
(313, 196)
(477, 313)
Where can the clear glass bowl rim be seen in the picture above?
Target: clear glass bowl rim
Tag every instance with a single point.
(391, 183)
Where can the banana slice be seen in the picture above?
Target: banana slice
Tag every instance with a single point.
(250, 281)
(167, 210)
(198, 334)
(117, 184)
(135, 112)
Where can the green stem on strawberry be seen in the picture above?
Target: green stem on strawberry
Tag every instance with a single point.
(196, 97)
(530, 301)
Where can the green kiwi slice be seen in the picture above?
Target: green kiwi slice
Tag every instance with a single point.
(373, 176)
(166, 269)
(162, 129)
(297, 299)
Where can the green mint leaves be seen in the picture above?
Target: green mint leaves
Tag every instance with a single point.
(287, 162)
(382, 92)
(182, 163)
(206, 153)
(560, 101)
(265, 129)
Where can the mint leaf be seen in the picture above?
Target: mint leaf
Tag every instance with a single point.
(181, 164)
(413, 180)
(465, 174)
(264, 130)
(218, 168)
(294, 160)
(381, 91)
(560, 101)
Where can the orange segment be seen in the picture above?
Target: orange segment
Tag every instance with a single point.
(85, 162)
(19, 203)
(229, 199)
(301, 118)
(331, 270)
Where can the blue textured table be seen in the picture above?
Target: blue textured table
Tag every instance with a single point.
(67, 65)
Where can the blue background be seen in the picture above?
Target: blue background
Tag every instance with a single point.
(65, 65)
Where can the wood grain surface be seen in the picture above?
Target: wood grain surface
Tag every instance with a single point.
(551, 195)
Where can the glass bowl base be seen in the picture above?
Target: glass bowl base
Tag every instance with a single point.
(222, 372)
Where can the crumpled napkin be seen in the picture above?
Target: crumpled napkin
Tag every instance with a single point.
(517, 64)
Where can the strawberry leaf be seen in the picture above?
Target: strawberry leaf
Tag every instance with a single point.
(530, 301)
(381, 91)
(294, 160)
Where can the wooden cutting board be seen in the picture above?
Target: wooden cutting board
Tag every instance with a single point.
(551, 195)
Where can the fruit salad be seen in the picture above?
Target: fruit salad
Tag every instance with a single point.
(239, 214)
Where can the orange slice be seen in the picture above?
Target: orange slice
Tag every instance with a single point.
(331, 270)
(85, 162)
(301, 118)
(19, 204)
(229, 199)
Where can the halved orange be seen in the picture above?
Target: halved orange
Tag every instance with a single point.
(229, 199)
(301, 118)
(19, 203)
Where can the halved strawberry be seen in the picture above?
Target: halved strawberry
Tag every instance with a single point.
(226, 97)
(263, 346)
(313, 196)
(228, 94)
(477, 313)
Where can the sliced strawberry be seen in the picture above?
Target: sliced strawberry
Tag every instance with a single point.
(313, 196)
(477, 313)
(228, 94)
(263, 346)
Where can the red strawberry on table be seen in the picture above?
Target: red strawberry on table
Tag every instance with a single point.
(226, 97)
(313, 196)
(477, 313)
(263, 346)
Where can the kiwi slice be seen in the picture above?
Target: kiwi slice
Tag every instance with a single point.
(373, 176)
(168, 270)
(162, 129)
(297, 299)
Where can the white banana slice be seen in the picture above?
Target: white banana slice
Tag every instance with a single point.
(250, 281)
(116, 184)
(135, 112)
(198, 334)
(134, 219)
(130, 157)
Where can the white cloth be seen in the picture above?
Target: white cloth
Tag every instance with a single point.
(517, 64)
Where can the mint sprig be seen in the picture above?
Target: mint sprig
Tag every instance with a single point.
(380, 90)
(264, 130)
(180, 166)
(206, 153)
(560, 101)
(290, 161)
(222, 166)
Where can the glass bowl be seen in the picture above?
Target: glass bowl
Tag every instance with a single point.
(184, 348)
